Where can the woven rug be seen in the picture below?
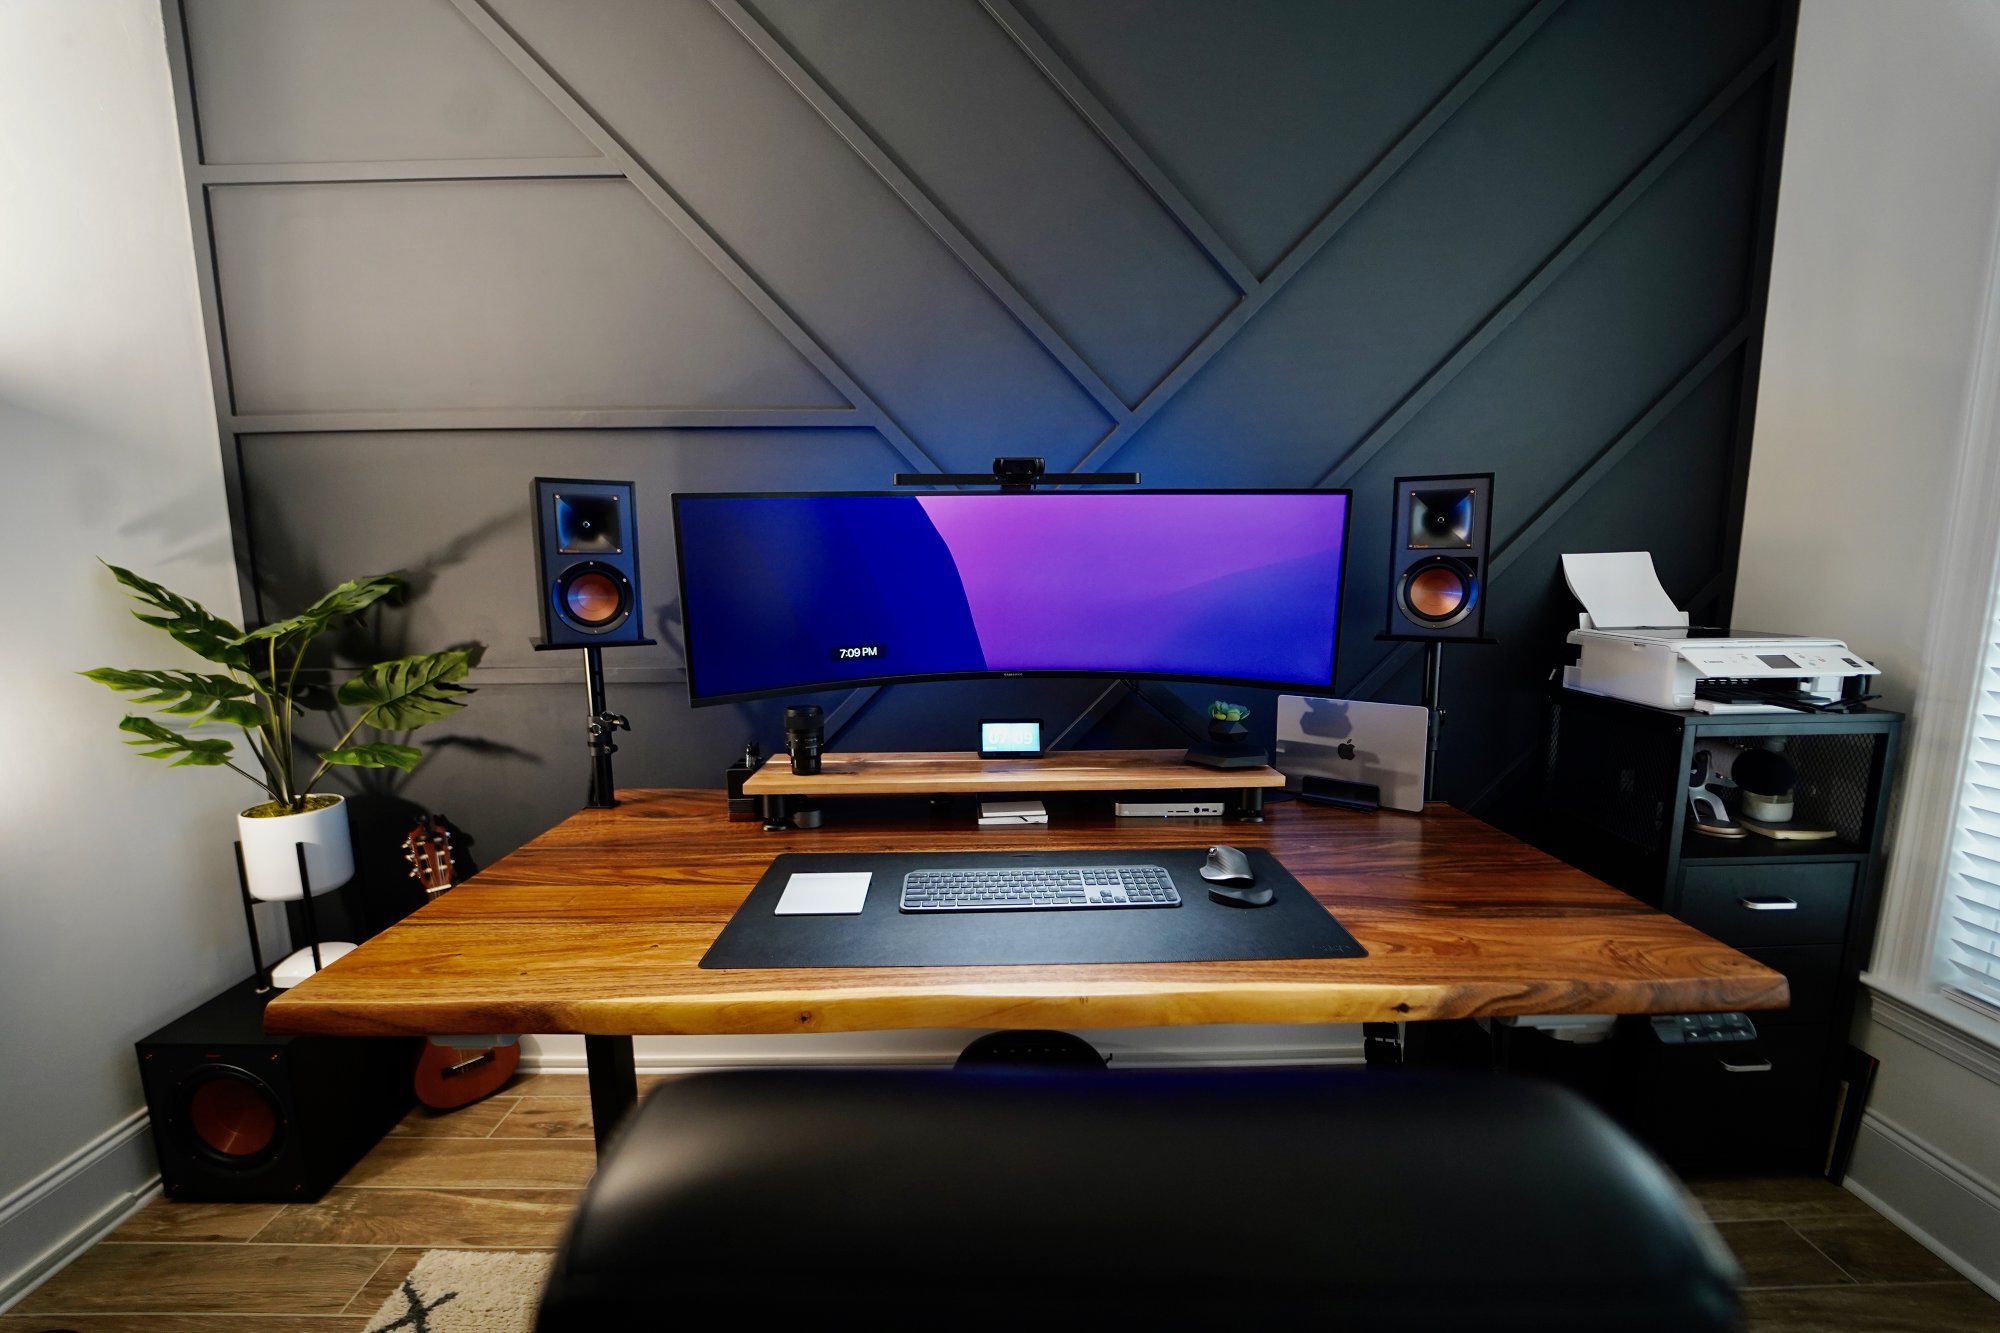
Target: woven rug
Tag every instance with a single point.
(466, 1291)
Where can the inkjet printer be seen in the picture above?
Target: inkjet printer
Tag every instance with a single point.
(1637, 645)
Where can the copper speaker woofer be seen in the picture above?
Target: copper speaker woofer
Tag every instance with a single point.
(1438, 592)
(593, 597)
(230, 1116)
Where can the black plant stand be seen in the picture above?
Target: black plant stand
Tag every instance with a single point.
(263, 973)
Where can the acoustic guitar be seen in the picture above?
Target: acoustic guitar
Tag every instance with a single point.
(450, 1076)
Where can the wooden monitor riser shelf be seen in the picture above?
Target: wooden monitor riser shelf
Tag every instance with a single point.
(919, 773)
(947, 773)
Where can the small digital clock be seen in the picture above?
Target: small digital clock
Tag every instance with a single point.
(1010, 738)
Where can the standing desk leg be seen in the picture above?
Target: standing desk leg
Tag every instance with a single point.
(614, 1084)
(1382, 1045)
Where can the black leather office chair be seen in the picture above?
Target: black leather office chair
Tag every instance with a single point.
(1062, 1199)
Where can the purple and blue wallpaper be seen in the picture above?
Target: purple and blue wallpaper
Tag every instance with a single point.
(783, 592)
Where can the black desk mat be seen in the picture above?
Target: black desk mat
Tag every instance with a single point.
(1293, 925)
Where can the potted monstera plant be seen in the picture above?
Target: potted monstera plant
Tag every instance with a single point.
(256, 688)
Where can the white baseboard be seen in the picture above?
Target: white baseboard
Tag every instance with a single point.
(1129, 1048)
(1904, 1178)
(71, 1206)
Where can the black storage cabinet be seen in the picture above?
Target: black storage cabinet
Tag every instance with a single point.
(1615, 805)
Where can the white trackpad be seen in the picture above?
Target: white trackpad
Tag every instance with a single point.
(839, 893)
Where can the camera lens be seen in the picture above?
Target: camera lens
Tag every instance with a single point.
(805, 737)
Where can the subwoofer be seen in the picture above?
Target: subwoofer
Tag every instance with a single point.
(587, 563)
(239, 1116)
(1439, 532)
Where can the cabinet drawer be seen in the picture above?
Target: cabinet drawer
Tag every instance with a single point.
(1769, 904)
(1812, 973)
(1762, 1105)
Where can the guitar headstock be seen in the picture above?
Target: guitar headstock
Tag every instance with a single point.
(427, 847)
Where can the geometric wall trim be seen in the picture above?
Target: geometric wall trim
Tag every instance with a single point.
(445, 245)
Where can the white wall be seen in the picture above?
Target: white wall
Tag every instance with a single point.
(117, 906)
(1879, 337)
(1884, 236)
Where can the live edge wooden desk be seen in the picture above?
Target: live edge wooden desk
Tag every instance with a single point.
(598, 926)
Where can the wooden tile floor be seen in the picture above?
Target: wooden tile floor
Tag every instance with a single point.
(505, 1173)
(502, 1174)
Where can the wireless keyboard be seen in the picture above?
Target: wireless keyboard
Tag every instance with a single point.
(1037, 888)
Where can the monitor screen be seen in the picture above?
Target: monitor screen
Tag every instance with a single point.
(783, 593)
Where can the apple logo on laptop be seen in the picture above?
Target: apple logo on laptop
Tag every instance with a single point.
(1345, 749)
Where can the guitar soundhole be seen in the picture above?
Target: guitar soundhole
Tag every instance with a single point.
(233, 1118)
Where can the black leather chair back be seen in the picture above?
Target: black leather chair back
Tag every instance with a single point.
(1044, 1199)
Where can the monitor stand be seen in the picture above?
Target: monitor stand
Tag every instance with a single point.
(958, 773)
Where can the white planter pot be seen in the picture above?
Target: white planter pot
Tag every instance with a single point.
(271, 859)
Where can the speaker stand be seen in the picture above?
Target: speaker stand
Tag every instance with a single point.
(601, 728)
(1433, 701)
(600, 723)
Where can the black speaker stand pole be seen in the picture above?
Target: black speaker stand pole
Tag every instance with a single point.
(602, 726)
(1433, 700)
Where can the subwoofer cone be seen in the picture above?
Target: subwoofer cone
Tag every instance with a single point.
(593, 597)
(230, 1117)
(1438, 591)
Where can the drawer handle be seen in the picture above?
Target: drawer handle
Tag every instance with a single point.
(1758, 1067)
(1769, 904)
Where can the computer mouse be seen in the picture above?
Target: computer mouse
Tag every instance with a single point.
(1241, 895)
(1227, 865)
(1230, 881)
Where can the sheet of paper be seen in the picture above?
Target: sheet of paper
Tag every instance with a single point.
(1621, 590)
(824, 893)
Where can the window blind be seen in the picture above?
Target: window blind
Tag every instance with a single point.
(1969, 942)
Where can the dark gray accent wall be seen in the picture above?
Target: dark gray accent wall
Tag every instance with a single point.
(447, 245)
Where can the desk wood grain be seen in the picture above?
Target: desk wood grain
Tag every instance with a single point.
(598, 927)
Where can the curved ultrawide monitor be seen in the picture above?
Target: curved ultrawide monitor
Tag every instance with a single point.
(781, 594)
